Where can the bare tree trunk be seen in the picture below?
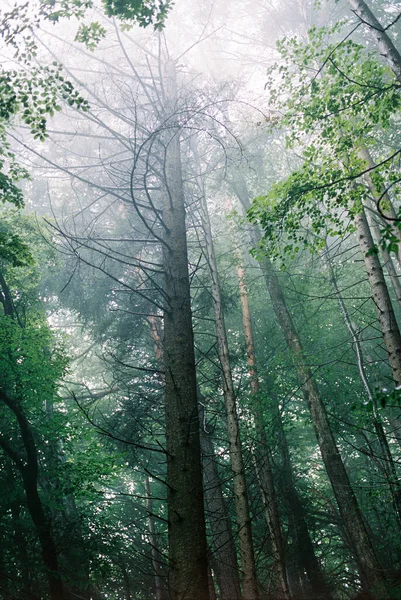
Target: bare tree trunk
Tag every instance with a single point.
(188, 577)
(347, 503)
(225, 557)
(249, 583)
(384, 43)
(262, 451)
(371, 573)
(385, 313)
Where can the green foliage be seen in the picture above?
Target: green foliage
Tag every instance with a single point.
(31, 363)
(143, 12)
(90, 35)
(334, 98)
(33, 93)
(28, 95)
(13, 250)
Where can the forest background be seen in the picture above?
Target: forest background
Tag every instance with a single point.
(200, 349)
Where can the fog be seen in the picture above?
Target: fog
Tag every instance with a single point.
(200, 296)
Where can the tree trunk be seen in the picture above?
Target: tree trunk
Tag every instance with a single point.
(249, 582)
(43, 528)
(225, 556)
(384, 43)
(385, 313)
(188, 577)
(371, 574)
(262, 451)
(304, 547)
(387, 261)
(389, 464)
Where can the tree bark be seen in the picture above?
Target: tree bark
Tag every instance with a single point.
(385, 313)
(188, 577)
(387, 262)
(262, 450)
(387, 206)
(305, 549)
(386, 47)
(249, 583)
(305, 557)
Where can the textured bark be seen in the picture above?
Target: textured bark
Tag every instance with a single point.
(262, 451)
(385, 45)
(188, 577)
(387, 262)
(249, 583)
(385, 313)
(371, 573)
(225, 557)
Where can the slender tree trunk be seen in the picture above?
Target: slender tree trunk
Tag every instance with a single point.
(188, 577)
(370, 570)
(262, 451)
(385, 313)
(347, 503)
(386, 47)
(389, 465)
(249, 583)
(305, 546)
(225, 556)
(387, 261)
